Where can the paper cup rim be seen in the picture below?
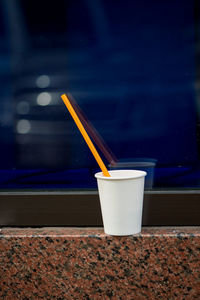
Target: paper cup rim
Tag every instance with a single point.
(121, 174)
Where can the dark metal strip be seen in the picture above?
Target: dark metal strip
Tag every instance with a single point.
(54, 208)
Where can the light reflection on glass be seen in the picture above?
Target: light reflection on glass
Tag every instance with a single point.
(144, 164)
(44, 99)
(23, 126)
(43, 81)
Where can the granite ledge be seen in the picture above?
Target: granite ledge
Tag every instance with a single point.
(188, 231)
(84, 263)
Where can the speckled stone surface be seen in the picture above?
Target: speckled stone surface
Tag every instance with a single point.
(67, 263)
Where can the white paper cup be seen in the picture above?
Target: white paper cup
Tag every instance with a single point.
(121, 199)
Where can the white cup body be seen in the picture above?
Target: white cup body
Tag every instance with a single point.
(121, 199)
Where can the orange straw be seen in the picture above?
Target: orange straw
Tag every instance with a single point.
(85, 135)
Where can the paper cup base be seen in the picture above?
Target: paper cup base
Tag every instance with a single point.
(122, 234)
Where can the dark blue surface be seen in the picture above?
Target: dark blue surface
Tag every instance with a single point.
(130, 67)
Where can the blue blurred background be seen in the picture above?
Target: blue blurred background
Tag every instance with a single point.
(132, 66)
